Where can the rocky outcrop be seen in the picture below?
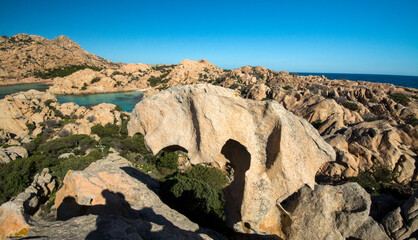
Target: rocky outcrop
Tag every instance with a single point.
(122, 198)
(88, 81)
(24, 57)
(21, 108)
(15, 214)
(368, 145)
(271, 152)
(331, 212)
(402, 223)
(12, 153)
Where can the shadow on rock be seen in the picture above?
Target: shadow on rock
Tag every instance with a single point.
(117, 220)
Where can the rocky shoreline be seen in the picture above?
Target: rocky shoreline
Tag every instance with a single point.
(293, 157)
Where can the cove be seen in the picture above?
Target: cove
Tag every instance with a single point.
(126, 100)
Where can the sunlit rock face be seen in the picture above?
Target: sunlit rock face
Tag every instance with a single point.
(271, 152)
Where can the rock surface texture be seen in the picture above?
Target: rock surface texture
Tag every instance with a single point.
(272, 152)
(120, 203)
(332, 212)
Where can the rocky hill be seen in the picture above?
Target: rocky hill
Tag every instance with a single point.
(31, 58)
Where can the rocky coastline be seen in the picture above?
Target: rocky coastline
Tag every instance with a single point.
(209, 153)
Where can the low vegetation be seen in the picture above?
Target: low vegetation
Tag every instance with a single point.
(352, 106)
(62, 71)
(400, 98)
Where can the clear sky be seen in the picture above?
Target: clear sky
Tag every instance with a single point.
(298, 36)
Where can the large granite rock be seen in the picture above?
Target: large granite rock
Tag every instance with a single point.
(332, 212)
(402, 223)
(111, 187)
(272, 152)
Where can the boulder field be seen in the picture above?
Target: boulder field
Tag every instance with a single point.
(270, 155)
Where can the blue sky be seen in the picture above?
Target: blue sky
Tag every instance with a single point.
(297, 36)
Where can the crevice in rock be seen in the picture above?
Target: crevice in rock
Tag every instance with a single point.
(273, 146)
(195, 122)
(240, 159)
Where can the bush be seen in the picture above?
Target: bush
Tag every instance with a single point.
(62, 71)
(213, 176)
(118, 108)
(168, 160)
(197, 199)
(351, 106)
(287, 87)
(367, 181)
(66, 144)
(94, 80)
(30, 127)
(48, 102)
(153, 81)
(400, 98)
(109, 130)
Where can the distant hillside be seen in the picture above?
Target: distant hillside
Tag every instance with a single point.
(31, 58)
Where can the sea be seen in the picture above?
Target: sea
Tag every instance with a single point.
(128, 100)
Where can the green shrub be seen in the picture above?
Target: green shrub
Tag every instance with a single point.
(48, 102)
(374, 181)
(287, 87)
(109, 130)
(30, 127)
(168, 160)
(400, 98)
(62, 71)
(195, 198)
(66, 144)
(411, 121)
(213, 176)
(367, 181)
(153, 81)
(352, 106)
(118, 108)
(74, 163)
(234, 86)
(94, 80)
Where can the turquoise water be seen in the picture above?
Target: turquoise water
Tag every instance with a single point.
(127, 100)
(7, 90)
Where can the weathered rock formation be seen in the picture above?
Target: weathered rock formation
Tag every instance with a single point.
(272, 152)
(109, 200)
(331, 212)
(402, 223)
(21, 108)
(12, 153)
(15, 214)
(24, 56)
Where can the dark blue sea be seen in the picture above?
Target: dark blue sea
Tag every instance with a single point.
(397, 80)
